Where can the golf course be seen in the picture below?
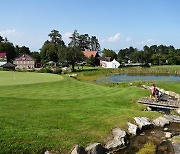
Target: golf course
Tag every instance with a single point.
(40, 111)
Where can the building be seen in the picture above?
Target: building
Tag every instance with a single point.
(94, 54)
(112, 64)
(102, 59)
(3, 58)
(24, 62)
(8, 66)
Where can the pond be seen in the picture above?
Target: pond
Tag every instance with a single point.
(139, 78)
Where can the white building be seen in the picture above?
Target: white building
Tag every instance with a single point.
(111, 64)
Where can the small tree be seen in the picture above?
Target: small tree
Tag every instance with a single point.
(92, 61)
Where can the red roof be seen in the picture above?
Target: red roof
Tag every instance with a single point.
(24, 57)
(2, 54)
(88, 54)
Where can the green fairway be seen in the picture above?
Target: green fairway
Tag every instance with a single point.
(36, 117)
(16, 78)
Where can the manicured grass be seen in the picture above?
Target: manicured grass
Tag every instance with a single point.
(56, 115)
(16, 78)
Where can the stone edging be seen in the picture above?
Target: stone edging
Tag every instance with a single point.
(120, 137)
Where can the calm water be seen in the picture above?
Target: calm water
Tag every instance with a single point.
(134, 78)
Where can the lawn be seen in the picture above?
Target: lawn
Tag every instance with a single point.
(41, 112)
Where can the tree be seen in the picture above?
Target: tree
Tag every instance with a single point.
(73, 55)
(9, 49)
(1, 39)
(92, 61)
(36, 56)
(94, 44)
(109, 53)
(56, 38)
(84, 42)
(74, 39)
(49, 52)
(25, 50)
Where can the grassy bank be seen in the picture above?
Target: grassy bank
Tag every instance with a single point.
(61, 112)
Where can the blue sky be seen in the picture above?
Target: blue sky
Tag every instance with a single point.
(116, 23)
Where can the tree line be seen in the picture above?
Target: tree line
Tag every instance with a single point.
(55, 50)
(156, 55)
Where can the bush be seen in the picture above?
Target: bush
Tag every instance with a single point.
(57, 71)
(45, 70)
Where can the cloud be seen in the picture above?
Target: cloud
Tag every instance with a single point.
(114, 38)
(148, 42)
(66, 36)
(10, 33)
(128, 39)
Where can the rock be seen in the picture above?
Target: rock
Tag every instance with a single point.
(95, 148)
(172, 93)
(177, 96)
(119, 139)
(132, 128)
(143, 122)
(47, 152)
(165, 129)
(78, 150)
(176, 147)
(178, 110)
(167, 92)
(168, 134)
(173, 118)
(160, 122)
(149, 108)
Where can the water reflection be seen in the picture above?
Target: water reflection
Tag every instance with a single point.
(140, 78)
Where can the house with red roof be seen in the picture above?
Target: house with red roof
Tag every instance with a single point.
(88, 54)
(3, 58)
(24, 62)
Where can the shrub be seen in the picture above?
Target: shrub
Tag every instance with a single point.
(45, 70)
(57, 71)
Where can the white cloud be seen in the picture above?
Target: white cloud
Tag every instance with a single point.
(10, 33)
(128, 39)
(114, 38)
(66, 36)
(148, 42)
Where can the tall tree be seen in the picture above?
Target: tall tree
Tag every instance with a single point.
(49, 52)
(74, 39)
(94, 44)
(84, 42)
(56, 38)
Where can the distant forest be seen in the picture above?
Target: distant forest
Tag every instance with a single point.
(56, 50)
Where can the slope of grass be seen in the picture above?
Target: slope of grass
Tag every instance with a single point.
(56, 115)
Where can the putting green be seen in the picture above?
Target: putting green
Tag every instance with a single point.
(16, 78)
